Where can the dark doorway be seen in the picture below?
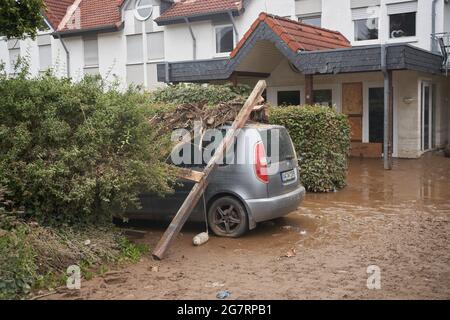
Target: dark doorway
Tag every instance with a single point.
(376, 115)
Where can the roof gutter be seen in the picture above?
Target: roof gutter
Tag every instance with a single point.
(101, 29)
(194, 40)
(233, 22)
(161, 21)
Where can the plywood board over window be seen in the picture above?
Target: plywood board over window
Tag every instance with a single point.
(352, 105)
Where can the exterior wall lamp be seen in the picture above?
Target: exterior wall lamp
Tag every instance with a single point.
(408, 100)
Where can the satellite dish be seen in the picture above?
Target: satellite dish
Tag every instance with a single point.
(143, 9)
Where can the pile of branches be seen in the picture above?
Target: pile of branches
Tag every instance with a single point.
(185, 115)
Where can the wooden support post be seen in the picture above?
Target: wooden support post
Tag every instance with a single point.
(309, 89)
(391, 119)
(200, 187)
(388, 123)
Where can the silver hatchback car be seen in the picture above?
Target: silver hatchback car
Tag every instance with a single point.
(243, 193)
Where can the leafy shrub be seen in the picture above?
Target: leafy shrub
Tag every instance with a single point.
(76, 152)
(322, 139)
(196, 93)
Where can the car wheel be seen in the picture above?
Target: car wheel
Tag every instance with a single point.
(227, 217)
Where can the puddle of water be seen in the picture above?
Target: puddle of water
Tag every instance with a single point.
(419, 184)
(413, 186)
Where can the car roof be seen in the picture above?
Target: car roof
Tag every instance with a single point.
(254, 125)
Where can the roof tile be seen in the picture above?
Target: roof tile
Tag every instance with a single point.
(93, 13)
(297, 35)
(189, 8)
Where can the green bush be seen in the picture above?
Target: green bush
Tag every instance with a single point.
(77, 152)
(196, 93)
(322, 139)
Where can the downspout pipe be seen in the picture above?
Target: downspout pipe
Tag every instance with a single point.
(194, 40)
(67, 54)
(434, 47)
(386, 142)
(233, 22)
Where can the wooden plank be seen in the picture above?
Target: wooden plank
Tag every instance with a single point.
(352, 106)
(199, 188)
(352, 98)
(190, 175)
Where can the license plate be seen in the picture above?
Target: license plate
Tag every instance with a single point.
(288, 175)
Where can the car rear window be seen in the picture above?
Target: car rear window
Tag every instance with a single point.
(283, 148)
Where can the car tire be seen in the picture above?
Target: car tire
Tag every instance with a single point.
(227, 217)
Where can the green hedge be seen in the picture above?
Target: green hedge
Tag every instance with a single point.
(197, 93)
(322, 140)
(75, 152)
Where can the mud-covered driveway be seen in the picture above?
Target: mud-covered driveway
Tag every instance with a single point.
(398, 221)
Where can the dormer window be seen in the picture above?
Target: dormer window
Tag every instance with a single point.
(224, 39)
(143, 9)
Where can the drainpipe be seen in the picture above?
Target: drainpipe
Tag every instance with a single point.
(194, 40)
(167, 71)
(387, 114)
(433, 25)
(67, 54)
(233, 22)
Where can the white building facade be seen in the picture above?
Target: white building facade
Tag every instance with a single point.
(140, 42)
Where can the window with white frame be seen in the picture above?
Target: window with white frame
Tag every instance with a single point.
(366, 23)
(14, 54)
(288, 97)
(44, 43)
(224, 39)
(143, 9)
(155, 46)
(402, 19)
(90, 48)
(135, 59)
(323, 97)
(314, 19)
(135, 49)
(45, 57)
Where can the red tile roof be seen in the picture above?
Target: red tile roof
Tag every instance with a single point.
(93, 13)
(190, 8)
(297, 35)
(56, 10)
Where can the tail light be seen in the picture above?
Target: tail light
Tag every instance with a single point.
(261, 163)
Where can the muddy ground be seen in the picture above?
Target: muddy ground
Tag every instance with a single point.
(398, 221)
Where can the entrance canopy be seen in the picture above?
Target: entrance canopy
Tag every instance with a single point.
(309, 49)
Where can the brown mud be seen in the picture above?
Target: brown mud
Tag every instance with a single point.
(397, 220)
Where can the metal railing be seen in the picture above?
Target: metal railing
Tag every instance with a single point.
(442, 42)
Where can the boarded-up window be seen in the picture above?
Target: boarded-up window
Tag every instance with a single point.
(155, 46)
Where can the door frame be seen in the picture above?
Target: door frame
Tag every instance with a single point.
(428, 84)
